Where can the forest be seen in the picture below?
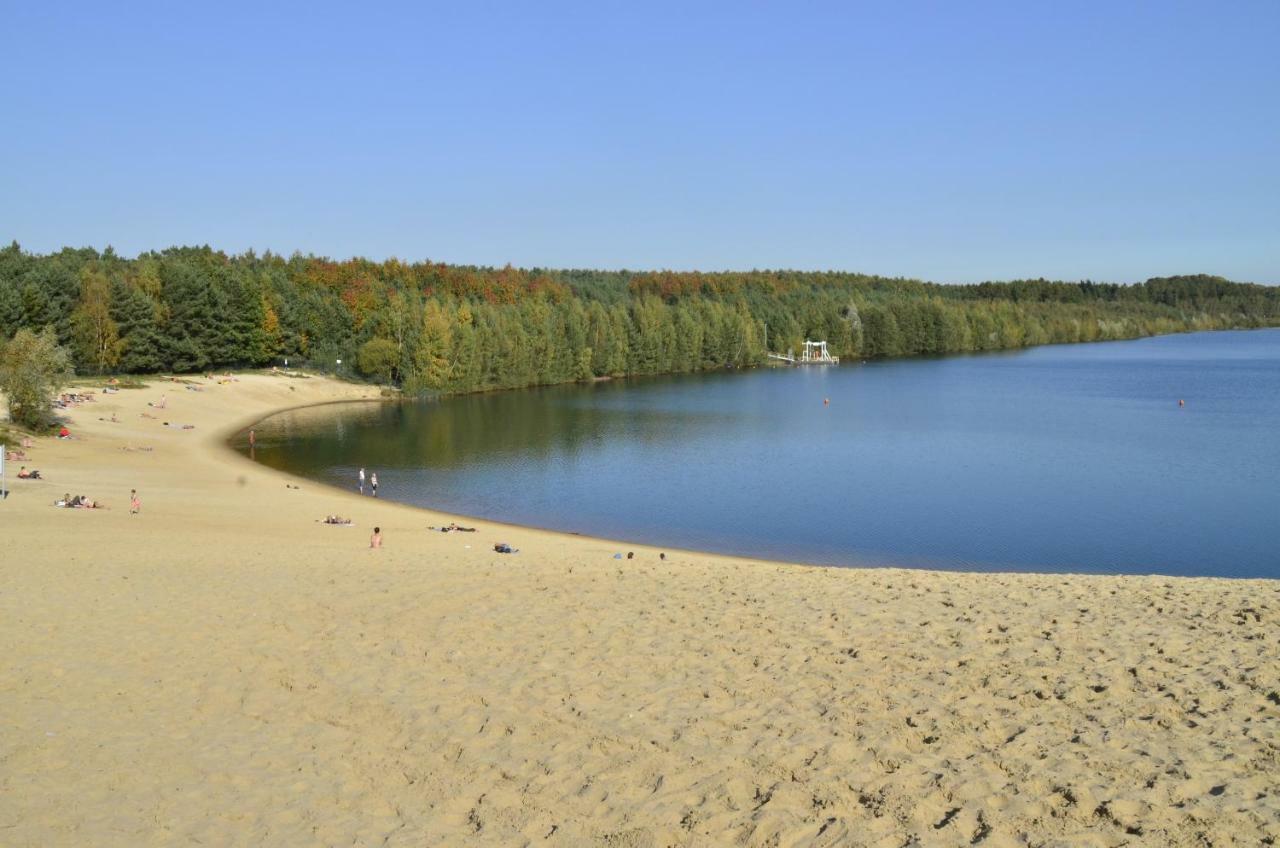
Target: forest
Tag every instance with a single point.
(431, 327)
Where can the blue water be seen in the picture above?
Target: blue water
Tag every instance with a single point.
(1065, 458)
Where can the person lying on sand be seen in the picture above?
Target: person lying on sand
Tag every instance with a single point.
(24, 474)
(452, 528)
(336, 519)
(15, 455)
(180, 426)
(504, 548)
(78, 502)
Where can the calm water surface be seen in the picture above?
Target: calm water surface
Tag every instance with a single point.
(1065, 458)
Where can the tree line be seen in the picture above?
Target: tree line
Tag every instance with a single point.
(451, 328)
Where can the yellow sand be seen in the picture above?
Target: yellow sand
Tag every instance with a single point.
(222, 670)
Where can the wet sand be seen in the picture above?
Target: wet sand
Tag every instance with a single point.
(222, 670)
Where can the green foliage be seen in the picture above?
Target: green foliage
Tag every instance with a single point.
(432, 365)
(33, 367)
(450, 328)
(378, 358)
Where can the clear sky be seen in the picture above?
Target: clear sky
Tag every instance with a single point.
(949, 141)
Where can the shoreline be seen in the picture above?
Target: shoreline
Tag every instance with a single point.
(435, 510)
(223, 669)
(229, 434)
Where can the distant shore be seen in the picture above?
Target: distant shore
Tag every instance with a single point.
(223, 668)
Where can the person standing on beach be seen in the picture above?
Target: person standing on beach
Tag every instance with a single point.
(361, 478)
(373, 483)
(135, 503)
(253, 439)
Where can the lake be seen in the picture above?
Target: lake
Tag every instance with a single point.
(1072, 458)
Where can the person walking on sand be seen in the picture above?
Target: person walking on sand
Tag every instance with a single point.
(361, 478)
(253, 439)
(135, 504)
(373, 483)
(375, 541)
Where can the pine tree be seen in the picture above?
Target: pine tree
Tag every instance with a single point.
(142, 348)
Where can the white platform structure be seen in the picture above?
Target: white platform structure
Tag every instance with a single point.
(815, 353)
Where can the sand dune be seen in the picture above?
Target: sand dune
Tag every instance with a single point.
(222, 670)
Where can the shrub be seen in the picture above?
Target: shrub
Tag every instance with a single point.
(33, 367)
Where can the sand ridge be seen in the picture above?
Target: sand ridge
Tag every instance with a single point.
(221, 670)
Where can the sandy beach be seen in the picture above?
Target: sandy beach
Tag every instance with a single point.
(221, 669)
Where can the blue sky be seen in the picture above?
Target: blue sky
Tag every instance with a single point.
(949, 141)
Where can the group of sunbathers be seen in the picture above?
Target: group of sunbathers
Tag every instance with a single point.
(78, 502)
(453, 528)
(67, 400)
(450, 528)
(376, 540)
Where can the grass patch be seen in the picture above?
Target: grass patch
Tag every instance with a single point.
(124, 381)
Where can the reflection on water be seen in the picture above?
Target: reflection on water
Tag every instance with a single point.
(1062, 458)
